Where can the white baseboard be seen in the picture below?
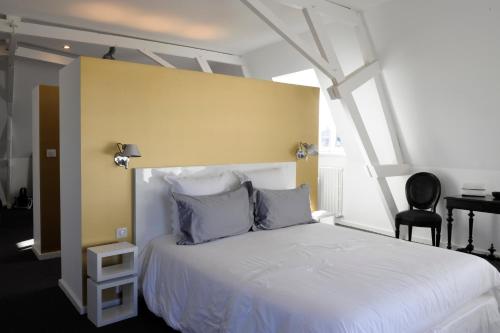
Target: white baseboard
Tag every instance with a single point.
(45, 255)
(77, 303)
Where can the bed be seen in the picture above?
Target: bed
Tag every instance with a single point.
(312, 278)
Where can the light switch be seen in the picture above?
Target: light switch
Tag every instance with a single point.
(51, 152)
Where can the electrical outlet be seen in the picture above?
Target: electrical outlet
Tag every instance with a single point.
(121, 233)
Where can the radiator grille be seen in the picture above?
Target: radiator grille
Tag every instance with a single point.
(331, 183)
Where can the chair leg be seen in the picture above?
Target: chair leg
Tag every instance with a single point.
(397, 230)
(433, 236)
(410, 227)
(438, 235)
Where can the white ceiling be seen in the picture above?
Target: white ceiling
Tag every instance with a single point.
(219, 25)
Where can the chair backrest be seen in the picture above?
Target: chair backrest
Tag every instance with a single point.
(423, 190)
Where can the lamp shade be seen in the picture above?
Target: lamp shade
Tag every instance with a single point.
(131, 150)
(312, 150)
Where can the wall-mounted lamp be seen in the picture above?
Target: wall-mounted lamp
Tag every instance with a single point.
(305, 150)
(110, 55)
(125, 151)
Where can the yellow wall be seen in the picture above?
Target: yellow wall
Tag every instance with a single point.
(180, 118)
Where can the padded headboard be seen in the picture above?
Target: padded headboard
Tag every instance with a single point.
(150, 192)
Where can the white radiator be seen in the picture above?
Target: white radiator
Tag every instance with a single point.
(331, 189)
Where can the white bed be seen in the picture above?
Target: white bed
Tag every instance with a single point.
(318, 278)
(310, 278)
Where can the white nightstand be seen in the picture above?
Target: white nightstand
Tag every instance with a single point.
(324, 216)
(117, 280)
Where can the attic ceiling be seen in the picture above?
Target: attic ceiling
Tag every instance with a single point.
(221, 25)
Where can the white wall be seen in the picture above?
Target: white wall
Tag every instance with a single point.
(441, 60)
(359, 189)
(27, 75)
(70, 150)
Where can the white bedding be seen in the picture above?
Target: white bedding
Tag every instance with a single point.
(315, 278)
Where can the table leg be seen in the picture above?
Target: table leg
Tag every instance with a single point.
(450, 221)
(470, 247)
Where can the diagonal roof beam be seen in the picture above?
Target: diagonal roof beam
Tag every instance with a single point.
(286, 33)
(10, 73)
(333, 71)
(159, 60)
(331, 10)
(54, 58)
(204, 65)
(359, 77)
(322, 40)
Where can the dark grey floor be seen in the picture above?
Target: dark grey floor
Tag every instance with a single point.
(30, 299)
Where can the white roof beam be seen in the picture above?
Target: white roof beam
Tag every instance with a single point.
(159, 60)
(284, 31)
(328, 65)
(43, 56)
(205, 66)
(358, 78)
(388, 170)
(331, 11)
(69, 34)
(322, 40)
(10, 73)
(368, 52)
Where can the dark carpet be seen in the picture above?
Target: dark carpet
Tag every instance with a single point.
(30, 299)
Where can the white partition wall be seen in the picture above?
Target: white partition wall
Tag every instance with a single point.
(71, 233)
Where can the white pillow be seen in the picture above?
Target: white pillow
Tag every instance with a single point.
(196, 185)
(269, 178)
(204, 185)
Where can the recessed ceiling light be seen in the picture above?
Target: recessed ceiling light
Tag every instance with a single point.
(67, 47)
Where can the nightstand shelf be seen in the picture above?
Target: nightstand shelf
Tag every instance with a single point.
(118, 279)
(101, 315)
(97, 254)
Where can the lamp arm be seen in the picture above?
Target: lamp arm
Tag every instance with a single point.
(120, 147)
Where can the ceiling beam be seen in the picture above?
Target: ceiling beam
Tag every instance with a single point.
(327, 63)
(356, 79)
(332, 12)
(9, 78)
(82, 36)
(388, 170)
(264, 13)
(204, 65)
(159, 60)
(29, 53)
(323, 40)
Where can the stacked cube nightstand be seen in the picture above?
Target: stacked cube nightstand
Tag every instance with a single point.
(120, 277)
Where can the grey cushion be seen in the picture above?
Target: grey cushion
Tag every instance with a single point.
(208, 217)
(282, 208)
(418, 217)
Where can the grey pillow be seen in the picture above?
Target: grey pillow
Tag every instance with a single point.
(209, 217)
(282, 208)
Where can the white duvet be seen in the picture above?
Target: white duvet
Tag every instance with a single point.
(312, 278)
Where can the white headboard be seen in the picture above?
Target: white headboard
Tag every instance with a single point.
(151, 192)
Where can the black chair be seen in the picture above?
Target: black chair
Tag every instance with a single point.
(423, 190)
